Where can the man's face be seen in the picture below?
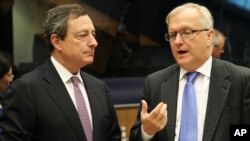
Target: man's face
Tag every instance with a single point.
(78, 47)
(218, 49)
(192, 51)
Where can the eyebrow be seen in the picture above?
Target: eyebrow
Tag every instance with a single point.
(182, 28)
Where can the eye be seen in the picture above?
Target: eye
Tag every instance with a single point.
(94, 34)
(172, 35)
(186, 32)
(81, 36)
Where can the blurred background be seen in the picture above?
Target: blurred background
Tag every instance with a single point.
(130, 33)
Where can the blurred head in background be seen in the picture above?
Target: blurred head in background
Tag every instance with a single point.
(219, 43)
(6, 75)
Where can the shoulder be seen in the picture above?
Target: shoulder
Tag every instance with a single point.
(229, 67)
(166, 72)
(230, 72)
(90, 79)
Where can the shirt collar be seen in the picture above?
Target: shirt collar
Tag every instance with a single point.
(63, 72)
(204, 69)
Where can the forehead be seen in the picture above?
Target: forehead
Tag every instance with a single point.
(80, 23)
(184, 19)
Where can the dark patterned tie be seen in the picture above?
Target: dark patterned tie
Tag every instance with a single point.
(82, 110)
(189, 122)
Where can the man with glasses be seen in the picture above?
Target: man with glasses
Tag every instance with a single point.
(199, 97)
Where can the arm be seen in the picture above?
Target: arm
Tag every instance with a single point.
(149, 122)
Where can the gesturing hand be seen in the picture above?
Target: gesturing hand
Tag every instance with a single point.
(154, 121)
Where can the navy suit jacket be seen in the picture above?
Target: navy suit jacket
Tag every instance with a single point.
(39, 108)
(228, 100)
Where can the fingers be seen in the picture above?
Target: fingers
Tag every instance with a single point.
(144, 110)
(160, 112)
(154, 121)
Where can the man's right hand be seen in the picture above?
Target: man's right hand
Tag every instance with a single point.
(154, 121)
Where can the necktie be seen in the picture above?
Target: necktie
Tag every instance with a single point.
(189, 125)
(82, 110)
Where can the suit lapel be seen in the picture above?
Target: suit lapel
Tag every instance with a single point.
(60, 96)
(169, 91)
(218, 92)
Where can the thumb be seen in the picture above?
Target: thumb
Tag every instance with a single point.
(144, 109)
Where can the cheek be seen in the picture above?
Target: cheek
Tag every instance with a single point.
(4, 82)
(173, 50)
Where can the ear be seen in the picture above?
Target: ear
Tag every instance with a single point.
(56, 42)
(210, 35)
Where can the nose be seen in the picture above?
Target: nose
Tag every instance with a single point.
(93, 42)
(12, 77)
(178, 39)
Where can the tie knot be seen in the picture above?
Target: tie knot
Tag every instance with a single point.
(191, 76)
(74, 80)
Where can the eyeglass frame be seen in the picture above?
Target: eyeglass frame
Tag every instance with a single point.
(181, 33)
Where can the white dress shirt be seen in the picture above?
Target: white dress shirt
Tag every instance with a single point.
(65, 75)
(201, 88)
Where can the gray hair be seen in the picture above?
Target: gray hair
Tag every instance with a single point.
(56, 21)
(206, 17)
(216, 37)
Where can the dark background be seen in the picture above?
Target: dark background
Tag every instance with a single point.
(118, 56)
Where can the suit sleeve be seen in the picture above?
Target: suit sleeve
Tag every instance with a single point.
(136, 131)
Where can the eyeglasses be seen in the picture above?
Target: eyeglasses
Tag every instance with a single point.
(185, 33)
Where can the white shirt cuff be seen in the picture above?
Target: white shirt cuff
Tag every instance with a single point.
(145, 136)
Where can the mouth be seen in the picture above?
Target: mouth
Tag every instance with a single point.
(89, 53)
(181, 52)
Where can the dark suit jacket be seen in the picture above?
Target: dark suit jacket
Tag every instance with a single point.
(39, 108)
(228, 100)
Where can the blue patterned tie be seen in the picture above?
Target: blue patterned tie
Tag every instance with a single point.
(82, 110)
(189, 122)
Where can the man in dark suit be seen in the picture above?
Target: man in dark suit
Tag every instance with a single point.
(221, 89)
(43, 105)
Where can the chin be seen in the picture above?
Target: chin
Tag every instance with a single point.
(89, 61)
(183, 61)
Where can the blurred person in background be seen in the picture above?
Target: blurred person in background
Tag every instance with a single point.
(6, 77)
(219, 43)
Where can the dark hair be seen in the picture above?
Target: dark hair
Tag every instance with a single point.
(56, 21)
(5, 64)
